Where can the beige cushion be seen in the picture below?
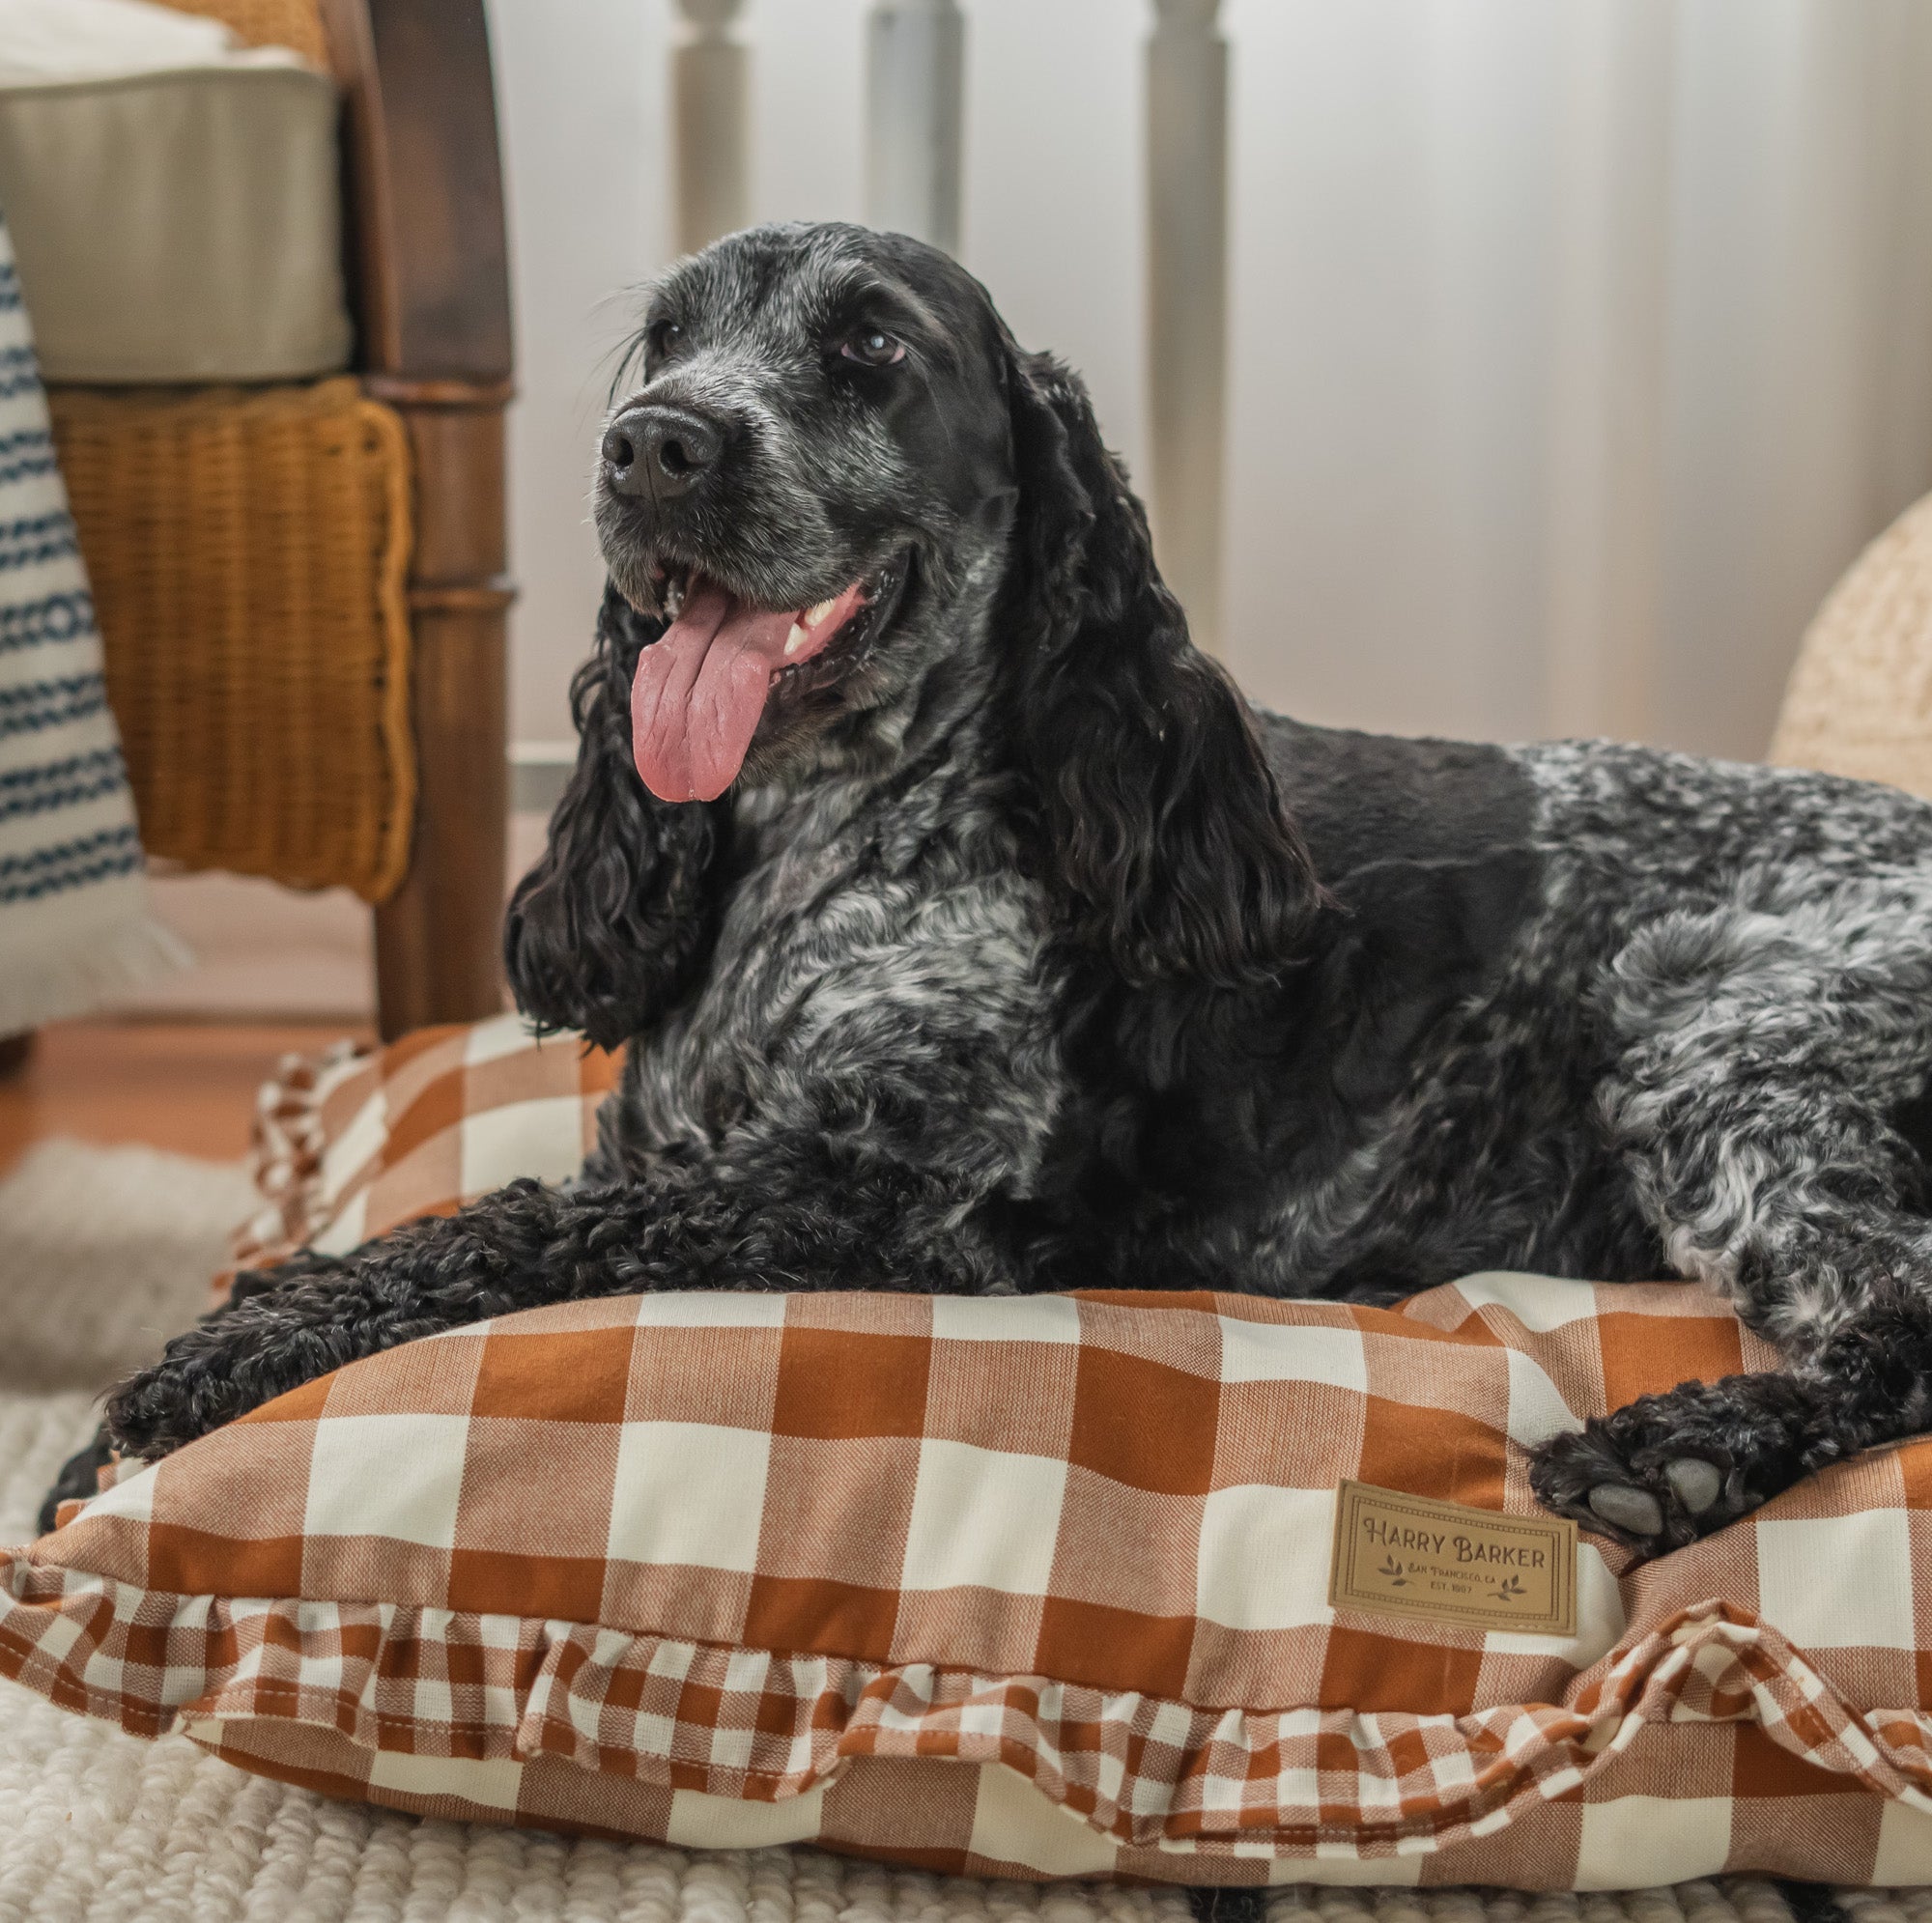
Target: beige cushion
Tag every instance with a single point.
(1860, 700)
(108, 40)
(178, 227)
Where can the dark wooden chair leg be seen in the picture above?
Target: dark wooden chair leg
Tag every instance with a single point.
(437, 937)
(429, 272)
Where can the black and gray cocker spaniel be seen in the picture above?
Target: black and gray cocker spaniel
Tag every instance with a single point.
(969, 933)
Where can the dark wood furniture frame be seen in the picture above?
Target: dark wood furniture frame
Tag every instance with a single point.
(429, 283)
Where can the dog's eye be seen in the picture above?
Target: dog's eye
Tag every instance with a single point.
(663, 337)
(872, 347)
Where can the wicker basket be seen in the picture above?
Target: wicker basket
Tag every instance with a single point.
(247, 550)
(1860, 700)
(292, 23)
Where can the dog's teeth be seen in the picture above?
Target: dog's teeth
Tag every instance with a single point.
(816, 613)
(796, 639)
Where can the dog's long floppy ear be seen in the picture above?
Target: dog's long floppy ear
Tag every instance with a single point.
(1160, 825)
(609, 929)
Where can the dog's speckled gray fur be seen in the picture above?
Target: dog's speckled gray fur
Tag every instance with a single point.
(1024, 957)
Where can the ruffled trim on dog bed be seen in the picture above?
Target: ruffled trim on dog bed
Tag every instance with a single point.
(291, 1140)
(762, 1727)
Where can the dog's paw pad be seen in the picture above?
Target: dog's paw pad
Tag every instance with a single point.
(1696, 1482)
(1634, 1510)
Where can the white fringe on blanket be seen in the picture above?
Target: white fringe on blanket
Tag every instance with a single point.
(74, 926)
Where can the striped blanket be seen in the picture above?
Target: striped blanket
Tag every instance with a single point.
(73, 919)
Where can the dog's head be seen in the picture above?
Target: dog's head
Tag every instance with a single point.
(809, 478)
(835, 478)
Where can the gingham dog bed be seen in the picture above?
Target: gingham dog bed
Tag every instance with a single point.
(358, 1141)
(1024, 1588)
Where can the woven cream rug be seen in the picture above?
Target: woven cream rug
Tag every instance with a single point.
(102, 1253)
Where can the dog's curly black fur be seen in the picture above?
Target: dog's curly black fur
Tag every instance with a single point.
(1025, 955)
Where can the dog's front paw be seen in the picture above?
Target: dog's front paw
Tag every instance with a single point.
(1666, 1470)
(1648, 1503)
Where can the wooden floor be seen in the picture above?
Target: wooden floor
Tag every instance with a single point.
(189, 1086)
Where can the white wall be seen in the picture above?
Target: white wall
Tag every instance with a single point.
(1440, 462)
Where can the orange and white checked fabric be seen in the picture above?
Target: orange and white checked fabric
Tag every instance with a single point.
(355, 1141)
(1022, 1587)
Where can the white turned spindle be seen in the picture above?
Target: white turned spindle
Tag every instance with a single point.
(915, 81)
(709, 83)
(1187, 302)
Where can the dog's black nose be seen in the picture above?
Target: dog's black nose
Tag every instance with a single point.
(659, 450)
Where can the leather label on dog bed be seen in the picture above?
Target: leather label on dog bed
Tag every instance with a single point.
(1411, 1556)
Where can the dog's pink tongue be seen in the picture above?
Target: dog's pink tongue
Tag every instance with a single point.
(698, 692)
